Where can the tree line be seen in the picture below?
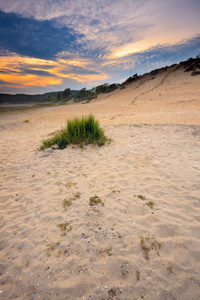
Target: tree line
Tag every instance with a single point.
(192, 64)
(61, 96)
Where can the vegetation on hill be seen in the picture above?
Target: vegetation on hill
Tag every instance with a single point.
(40, 98)
(191, 65)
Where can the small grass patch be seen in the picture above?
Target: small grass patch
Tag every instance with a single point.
(70, 184)
(26, 121)
(108, 251)
(169, 268)
(150, 204)
(83, 174)
(149, 243)
(115, 191)
(64, 227)
(95, 200)
(51, 247)
(141, 197)
(137, 125)
(66, 203)
(80, 131)
(77, 195)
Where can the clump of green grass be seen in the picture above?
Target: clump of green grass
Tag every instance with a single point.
(26, 121)
(95, 200)
(149, 243)
(80, 131)
(58, 139)
(150, 204)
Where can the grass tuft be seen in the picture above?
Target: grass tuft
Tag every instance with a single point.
(169, 268)
(51, 247)
(63, 228)
(108, 251)
(150, 204)
(141, 197)
(66, 203)
(80, 131)
(95, 200)
(149, 243)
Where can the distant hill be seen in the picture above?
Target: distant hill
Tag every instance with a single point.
(191, 65)
(169, 95)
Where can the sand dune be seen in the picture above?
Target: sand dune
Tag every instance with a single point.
(124, 249)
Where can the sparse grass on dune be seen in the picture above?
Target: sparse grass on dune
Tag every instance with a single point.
(80, 131)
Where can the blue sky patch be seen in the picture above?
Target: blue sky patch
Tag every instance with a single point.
(33, 38)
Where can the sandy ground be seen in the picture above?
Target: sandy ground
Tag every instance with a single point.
(122, 249)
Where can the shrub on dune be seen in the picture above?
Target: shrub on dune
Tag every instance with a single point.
(80, 131)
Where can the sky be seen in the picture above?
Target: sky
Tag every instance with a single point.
(51, 45)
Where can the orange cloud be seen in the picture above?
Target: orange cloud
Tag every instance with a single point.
(12, 65)
(81, 77)
(73, 62)
(29, 80)
(13, 71)
(153, 37)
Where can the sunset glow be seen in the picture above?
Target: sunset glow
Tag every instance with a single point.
(53, 45)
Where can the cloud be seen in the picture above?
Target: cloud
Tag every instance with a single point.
(36, 66)
(44, 73)
(90, 41)
(40, 39)
(101, 29)
(7, 71)
(79, 70)
(5, 83)
(97, 25)
(25, 71)
(155, 57)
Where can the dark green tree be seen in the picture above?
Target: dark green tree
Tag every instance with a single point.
(67, 94)
(59, 96)
(101, 88)
(82, 94)
(50, 98)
